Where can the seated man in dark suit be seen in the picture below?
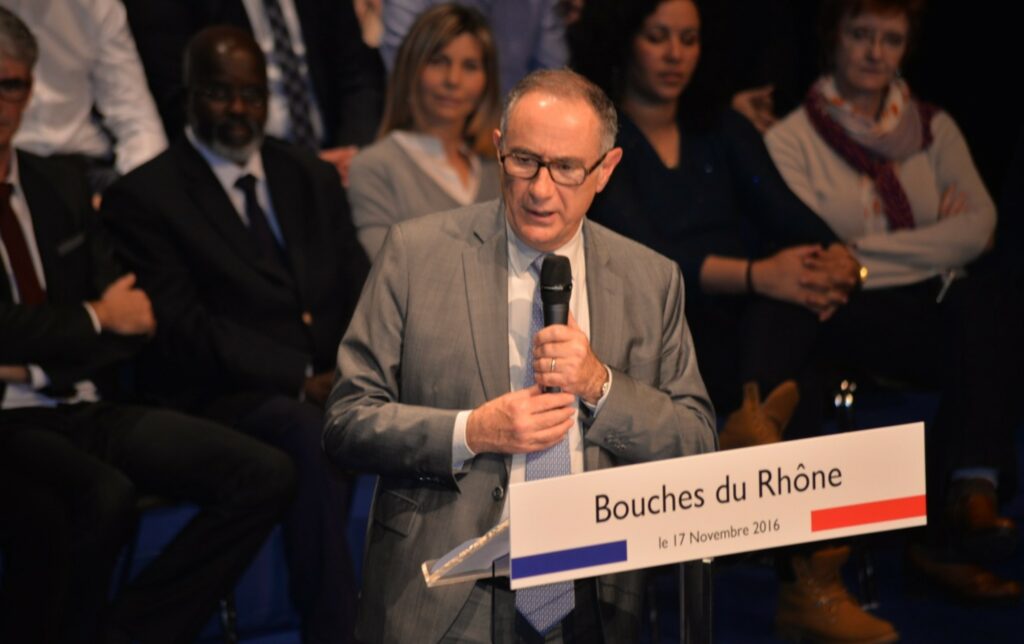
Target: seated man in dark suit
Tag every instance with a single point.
(246, 246)
(71, 463)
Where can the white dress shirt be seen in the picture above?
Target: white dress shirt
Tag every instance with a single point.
(87, 59)
(429, 155)
(228, 172)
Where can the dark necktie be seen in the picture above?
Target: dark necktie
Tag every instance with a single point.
(259, 227)
(294, 83)
(29, 289)
(544, 606)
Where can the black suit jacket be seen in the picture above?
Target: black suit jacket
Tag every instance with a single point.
(229, 321)
(78, 263)
(347, 76)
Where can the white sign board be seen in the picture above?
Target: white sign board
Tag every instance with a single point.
(695, 507)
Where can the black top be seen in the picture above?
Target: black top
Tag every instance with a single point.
(724, 198)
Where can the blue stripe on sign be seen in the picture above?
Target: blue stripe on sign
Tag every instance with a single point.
(571, 559)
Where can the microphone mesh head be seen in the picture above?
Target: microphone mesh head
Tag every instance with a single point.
(555, 280)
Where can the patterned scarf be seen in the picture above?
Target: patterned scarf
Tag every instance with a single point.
(874, 146)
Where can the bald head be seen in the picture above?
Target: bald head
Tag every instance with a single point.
(569, 85)
(208, 50)
(226, 78)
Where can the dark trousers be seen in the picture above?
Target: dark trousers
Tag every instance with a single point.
(36, 539)
(89, 462)
(966, 347)
(958, 346)
(320, 567)
(740, 339)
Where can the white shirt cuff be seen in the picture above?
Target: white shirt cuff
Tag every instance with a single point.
(460, 448)
(37, 378)
(302, 387)
(596, 408)
(92, 316)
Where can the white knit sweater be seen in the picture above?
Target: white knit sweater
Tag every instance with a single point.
(846, 199)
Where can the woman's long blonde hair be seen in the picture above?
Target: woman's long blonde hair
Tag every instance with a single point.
(431, 33)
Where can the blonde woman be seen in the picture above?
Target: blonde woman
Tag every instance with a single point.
(433, 153)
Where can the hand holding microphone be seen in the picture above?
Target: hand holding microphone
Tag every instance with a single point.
(562, 357)
(555, 293)
(535, 418)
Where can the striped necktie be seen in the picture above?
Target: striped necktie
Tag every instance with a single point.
(294, 83)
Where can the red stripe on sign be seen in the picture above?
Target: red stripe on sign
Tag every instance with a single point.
(861, 513)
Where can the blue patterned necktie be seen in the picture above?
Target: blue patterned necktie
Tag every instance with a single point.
(544, 606)
(295, 90)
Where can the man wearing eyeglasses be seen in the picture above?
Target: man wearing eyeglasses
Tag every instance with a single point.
(246, 247)
(440, 382)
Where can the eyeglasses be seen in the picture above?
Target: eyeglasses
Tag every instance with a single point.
(14, 90)
(250, 94)
(564, 172)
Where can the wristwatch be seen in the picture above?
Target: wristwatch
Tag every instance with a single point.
(862, 276)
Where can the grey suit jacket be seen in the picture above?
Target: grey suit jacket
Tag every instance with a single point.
(386, 186)
(430, 338)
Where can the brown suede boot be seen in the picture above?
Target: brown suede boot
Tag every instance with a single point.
(975, 526)
(816, 606)
(757, 423)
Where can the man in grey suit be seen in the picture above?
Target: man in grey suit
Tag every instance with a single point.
(433, 393)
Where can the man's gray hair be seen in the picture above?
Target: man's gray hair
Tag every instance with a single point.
(565, 83)
(16, 41)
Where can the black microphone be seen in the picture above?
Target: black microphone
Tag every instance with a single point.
(555, 291)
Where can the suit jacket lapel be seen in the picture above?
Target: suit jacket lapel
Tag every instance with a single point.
(213, 205)
(604, 292)
(45, 205)
(486, 272)
(286, 184)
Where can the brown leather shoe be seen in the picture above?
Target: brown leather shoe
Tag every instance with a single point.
(964, 581)
(974, 522)
(816, 606)
(757, 423)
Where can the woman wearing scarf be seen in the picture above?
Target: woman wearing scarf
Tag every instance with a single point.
(893, 177)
